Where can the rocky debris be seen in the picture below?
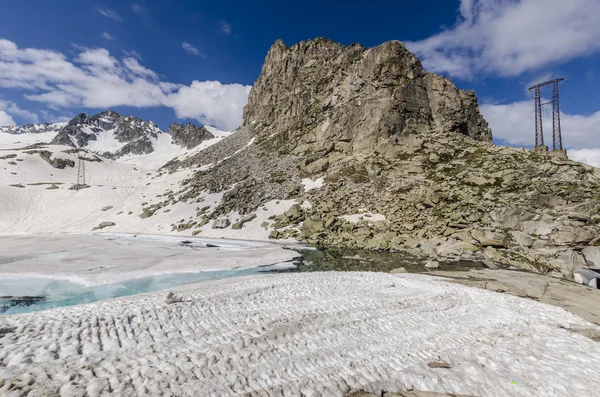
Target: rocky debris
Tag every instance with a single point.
(56, 162)
(188, 136)
(104, 224)
(221, 223)
(172, 298)
(239, 224)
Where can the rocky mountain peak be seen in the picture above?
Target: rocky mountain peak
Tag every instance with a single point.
(128, 135)
(189, 136)
(322, 96)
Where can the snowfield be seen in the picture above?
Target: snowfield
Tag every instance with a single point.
(311, 334)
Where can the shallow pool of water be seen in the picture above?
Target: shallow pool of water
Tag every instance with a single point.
(25, 294)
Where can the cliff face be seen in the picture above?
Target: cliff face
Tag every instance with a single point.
(322, 96)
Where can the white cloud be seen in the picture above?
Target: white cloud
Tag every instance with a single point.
(587, 156)
(12, 108)
(94, 78)
(190, 49)
(108, 13)
(509, 37)
(218, 102)
(514, 124)
(6, 119)
(108, 36)
(225, 28)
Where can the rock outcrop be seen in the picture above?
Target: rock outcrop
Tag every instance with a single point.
(321, 96)
(189, 136)
(406, 160)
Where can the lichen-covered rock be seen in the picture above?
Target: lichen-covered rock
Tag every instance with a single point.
(221, 223)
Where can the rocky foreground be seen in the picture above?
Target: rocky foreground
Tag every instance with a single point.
(398, 159)
(317, 334)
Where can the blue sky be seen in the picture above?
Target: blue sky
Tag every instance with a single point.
(196, 61)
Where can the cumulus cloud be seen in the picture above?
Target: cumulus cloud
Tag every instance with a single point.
(509, 37)
(218, 102)
(6, 119)
(190, 49)
(514, 124)
(94, 78)
(108, 13)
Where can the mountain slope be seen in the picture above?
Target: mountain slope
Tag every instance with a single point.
(379, 154)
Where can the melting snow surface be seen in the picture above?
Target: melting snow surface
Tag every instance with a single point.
(316, 334)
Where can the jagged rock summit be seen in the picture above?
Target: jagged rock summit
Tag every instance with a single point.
(321, 95)
(190, 135)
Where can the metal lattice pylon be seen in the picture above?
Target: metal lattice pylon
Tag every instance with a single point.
(539, 131)
(80, 173)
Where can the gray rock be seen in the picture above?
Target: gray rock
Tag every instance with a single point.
(221, 223)
(399, 270)
(172, 298)
(104, 224)
(522, 239)
(239, 224)
(592, 256)
(432, 265)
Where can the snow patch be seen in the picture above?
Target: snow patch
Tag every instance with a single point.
(309, 184)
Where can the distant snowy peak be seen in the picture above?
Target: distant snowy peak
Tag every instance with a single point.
(109, 133)
(33, 128)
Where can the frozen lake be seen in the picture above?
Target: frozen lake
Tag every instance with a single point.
(46, 271)
(24, 295)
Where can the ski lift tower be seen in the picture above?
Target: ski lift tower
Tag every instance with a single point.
(80, 172)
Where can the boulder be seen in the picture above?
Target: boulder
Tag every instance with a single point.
(221, 223)
(294, 212)
(432, 265)
(592, 257)
(522, 239)
(399, 270)
(239, 224)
